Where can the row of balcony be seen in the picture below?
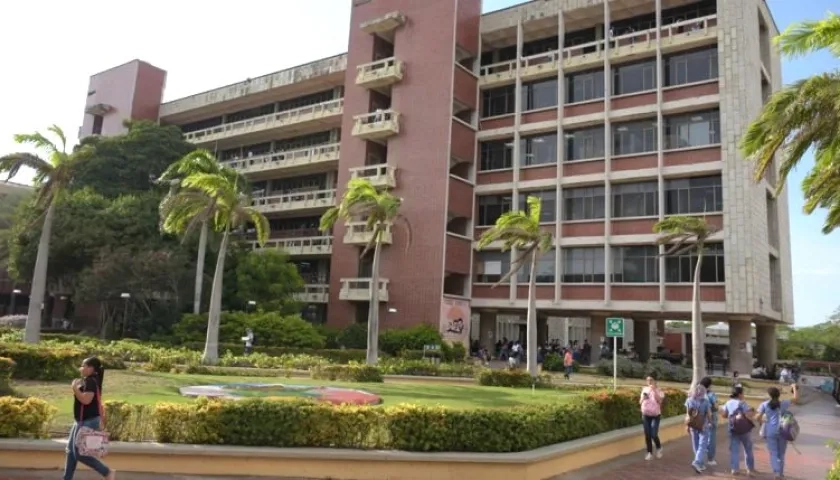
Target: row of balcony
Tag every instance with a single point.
(676, 36)
(352, 289)
(357, 233)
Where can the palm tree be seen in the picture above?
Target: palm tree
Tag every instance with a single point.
(215, 198)
(378, 209)
(683, 234)
(801, 117)
(53, 176)
(521, 231)
(197, 161)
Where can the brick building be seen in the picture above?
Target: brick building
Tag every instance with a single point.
(635, 115)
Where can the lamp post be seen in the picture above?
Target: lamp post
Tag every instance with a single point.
(252, 306)
(15, 292)
(126, 297)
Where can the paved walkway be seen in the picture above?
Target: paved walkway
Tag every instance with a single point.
(817, 419)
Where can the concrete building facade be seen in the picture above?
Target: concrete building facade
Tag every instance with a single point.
(616, 113)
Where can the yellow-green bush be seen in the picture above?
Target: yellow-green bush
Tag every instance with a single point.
(511, 378)
(127, 422)
(36, 362)
(7, 366)
(25, 417)
(347, 373)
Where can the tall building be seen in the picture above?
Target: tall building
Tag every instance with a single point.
(615, 113)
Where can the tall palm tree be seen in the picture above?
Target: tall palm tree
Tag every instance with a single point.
(520, 230)
(53, 176)
(680, 235)
(217, 199)
(803, 116)
(197, 161)
(378, 208)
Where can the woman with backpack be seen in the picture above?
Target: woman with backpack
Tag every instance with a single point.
(698, 419)
(778, 427)
(740, 416)
(651, 403)
(713, 404)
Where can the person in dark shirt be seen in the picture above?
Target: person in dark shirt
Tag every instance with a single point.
(87, 404)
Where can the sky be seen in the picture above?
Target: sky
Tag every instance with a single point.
(204, 46)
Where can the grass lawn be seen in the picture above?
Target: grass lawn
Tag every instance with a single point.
(152, 387)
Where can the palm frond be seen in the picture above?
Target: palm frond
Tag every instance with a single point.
(682, 233)
(803, 38)
(62, 138)
(38, 141)
(12, 163)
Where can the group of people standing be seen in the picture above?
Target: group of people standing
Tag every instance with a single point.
(702, 419)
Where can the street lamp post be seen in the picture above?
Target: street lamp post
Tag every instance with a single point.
(126, 297)
(15, 292)
(252, 306)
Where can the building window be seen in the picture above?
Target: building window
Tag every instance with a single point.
(538, 149)
(583, 203)
(634, 138)
(548, 198)
(582, 87)
(583, 265)
(585, 144)
(693, 195)
(636, 264)
(538, 95)
(545, 269)
(691, 67)
(496, 155)
(491, 266)
(692, 130)
(635, 199)
(491, 207)
(498, 101)
(634, 78)
(98, 120)
(680, 269)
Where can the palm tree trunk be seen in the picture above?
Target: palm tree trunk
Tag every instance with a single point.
(39, 280)
(211, 345)
(531, 321)
(199, 267)
(373, 311)
(698, 333)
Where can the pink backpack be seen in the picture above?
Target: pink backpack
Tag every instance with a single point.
(650, 404)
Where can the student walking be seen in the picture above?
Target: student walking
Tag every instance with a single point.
(651, 404)
(713, 405)
(568, 364)
(740, 416)
(770, 416)
(698, 417)
(87, 405)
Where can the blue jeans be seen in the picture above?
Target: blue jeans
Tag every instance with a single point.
(568, 372)
(73, 457)
(651, 426)
(712, 441)
(735, 443)
(700, 443)
(777, 447)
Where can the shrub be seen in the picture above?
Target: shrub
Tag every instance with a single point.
(424, 368)
(25, 417)
(347, 373)
(269, 328)
(553, 362)
(414, 338)
(664, 370)
(834, 473)
(39, 363)
(7, 366)
(353, 337)
(333, 355)
(511, 378)
(128, 422)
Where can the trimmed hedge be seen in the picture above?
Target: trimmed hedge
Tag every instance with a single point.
(25, 417)
(300, 423)
(39, 363)
(834, 473)
(7, 366)
(511, 378)
(333, 355)
(347, 373)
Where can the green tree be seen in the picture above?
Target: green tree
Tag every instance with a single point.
(520, 230)
(197, 161)
(680, 235)
(53, 177)
(801, 117)
(269, 279)
(378, 209)
(213, 196)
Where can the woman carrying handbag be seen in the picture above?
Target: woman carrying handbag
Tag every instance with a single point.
(87, 441)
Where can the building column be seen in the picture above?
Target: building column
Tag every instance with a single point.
(487, 330)
(542, 330)
(597, 331)
(641, 339)
(765, 339)
(740, 357)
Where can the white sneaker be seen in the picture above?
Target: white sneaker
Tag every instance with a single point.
(648, 457)
(711, 463)
(659, 453)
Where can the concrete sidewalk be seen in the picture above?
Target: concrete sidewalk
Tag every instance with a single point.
(818, 421)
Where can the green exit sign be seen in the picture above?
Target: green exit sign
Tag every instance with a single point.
(615, 327)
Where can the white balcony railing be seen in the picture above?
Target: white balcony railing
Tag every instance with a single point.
(285, 159)
(358, 289)
(376, 125)
(268, 122)
(382, 175)
(359, 233)
(313, 293)
(380, 73)
(300, 245)
(295, 201)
